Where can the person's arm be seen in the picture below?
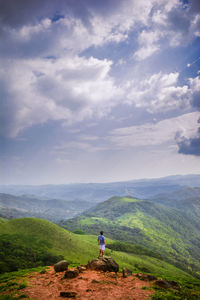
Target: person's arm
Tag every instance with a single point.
(98, 240)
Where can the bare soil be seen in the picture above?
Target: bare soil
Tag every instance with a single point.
(89, 284)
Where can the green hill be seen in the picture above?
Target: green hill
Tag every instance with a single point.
(26, 241)
(161, 229)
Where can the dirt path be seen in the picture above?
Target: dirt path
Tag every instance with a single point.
(89, 284)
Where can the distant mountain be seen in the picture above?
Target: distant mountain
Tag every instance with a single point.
(98, 192)
(26, 206)
(159, 228)
(186, 200)
(178, 199)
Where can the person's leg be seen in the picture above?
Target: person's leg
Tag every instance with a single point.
(100, 251)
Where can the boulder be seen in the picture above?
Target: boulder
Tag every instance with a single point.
(126, 273)
(105, 263)
(71, 273)
(61, 266)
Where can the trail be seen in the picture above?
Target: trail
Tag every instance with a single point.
(90, 284)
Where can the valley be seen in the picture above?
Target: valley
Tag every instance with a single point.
(150, 226)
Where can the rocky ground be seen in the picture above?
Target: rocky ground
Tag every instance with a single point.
(89, 284)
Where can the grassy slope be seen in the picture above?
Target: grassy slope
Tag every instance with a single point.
(159, 228)
(78, 249)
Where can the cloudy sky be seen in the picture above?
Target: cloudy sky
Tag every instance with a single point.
(99, 90)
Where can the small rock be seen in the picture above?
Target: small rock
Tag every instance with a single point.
(146, 277)
(61, 266)
(71, 273)
(95, 281)
(113, 275)
(163, 284)
(88, 290)
(68, 294)
(126, 272)
(81, 269)
(83, 278)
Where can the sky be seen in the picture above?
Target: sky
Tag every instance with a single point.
(98, 91)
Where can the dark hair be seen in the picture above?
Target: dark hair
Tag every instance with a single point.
(101, 232)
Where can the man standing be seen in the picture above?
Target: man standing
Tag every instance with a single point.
(101, 242)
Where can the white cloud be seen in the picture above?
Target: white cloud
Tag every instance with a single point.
(154, 134)
(148, 44)
(72, 88)
(74, 32)
(160, 92)
(68, 89)
(76, 146)
(195, 84)
(172, 23)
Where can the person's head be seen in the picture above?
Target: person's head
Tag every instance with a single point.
(101, 232)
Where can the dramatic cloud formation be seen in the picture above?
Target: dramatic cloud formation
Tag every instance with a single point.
(155, 134)
(68, 89)
(160, 92)
(97, 77)
(191, 145)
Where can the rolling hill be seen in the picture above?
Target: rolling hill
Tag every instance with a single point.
(49, 209)
(30, 238)
(159, 228)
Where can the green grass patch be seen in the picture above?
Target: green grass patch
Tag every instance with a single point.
(183, 293)
(161, 230)
(42, 235)
(126, 199)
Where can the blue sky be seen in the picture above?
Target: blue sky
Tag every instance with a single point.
(98, 91)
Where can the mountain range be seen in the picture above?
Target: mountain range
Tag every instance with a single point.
(163, 223)
(30, 206)
(171, 233)
(57, 202)
(98, 192)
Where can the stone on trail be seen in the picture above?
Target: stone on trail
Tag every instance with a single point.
(126, 272)
(146, 277)
(105, 263)
(68, 294)
(61, 266)
(81, 269)
(71, 273)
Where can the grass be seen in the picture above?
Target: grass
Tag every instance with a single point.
(183, 294)
(159, 229)
(79, 249)
(126, 199)
(13, 282)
